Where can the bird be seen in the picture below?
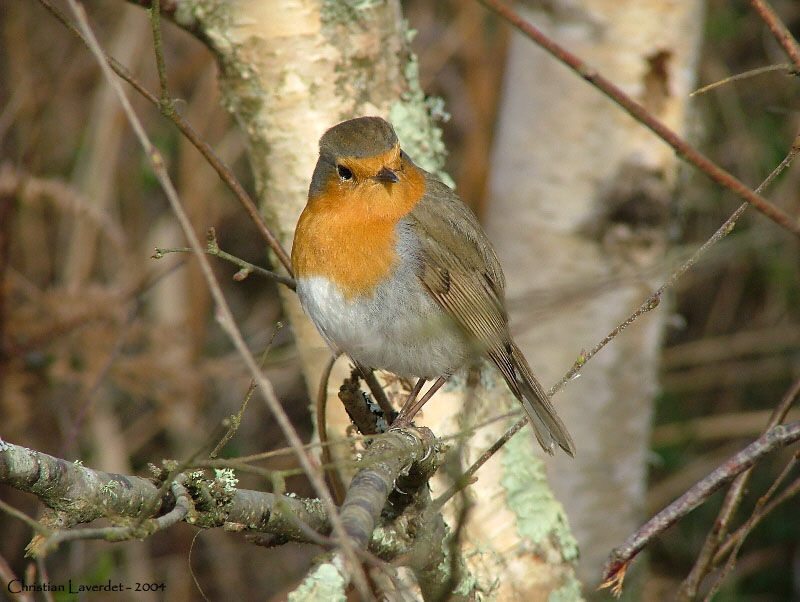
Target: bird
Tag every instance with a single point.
(396, 271)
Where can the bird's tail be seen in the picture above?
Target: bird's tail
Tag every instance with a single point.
(546, 424)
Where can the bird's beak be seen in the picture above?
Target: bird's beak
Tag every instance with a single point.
(386, 175)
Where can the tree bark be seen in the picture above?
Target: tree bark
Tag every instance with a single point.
(578, 209)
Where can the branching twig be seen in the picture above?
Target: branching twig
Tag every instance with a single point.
(711, 546)
(224, 172)
(621, 556)
(760, 512)
(245, 267)
(737, 537)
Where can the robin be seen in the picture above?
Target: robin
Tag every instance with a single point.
(395, 270)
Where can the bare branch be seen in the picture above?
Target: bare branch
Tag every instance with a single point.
(621, 556)
(401, 460)
(245, 267)
(638, 112)
(82, 495)
(224, 172)
(745, 75)
(779, 30)
(712, 549)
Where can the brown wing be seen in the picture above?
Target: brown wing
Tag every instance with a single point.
(462, 273)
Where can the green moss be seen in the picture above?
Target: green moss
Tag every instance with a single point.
(569, 592)
(467, 583)
(346, 11)
(540, 517)
(413, 116)
(323, 583)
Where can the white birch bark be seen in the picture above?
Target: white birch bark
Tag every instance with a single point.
(578, 209)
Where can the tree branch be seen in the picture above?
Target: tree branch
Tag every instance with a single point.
(621, 556)
(81, 495)
(402, 460)
(779, 30)
(169, 8)
(638, 112)
(396, 466)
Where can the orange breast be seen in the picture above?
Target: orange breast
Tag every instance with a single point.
(347, 235)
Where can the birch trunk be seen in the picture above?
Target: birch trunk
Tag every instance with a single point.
(578, 210)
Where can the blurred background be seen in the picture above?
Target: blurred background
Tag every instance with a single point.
(115, 358)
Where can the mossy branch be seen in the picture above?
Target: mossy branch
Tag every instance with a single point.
(80, 495)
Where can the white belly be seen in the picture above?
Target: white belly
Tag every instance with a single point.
(399, 329)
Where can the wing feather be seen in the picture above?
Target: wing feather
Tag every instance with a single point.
(461, 272)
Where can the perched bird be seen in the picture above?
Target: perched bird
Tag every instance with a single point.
(395, 270)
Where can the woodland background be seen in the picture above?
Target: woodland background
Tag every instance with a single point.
(108, 354)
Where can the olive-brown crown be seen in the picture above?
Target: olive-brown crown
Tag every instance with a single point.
(358, 138)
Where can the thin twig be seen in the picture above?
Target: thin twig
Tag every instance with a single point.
(236, 419)
(223, 171)
(739, 534)
(621, 556)
(778, 29)
(703, 562)
(759, 512)
(466, 479)
(308, 446)
(212, 247)
(245, 267)
(638, 112)
(322, 431)
(711, 546)
(21, 516)
(744, 75)
(224, 315)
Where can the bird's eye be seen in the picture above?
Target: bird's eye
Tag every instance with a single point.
(344, 172)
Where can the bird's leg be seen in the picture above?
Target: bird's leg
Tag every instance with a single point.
(411, 397)
(412, 406)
